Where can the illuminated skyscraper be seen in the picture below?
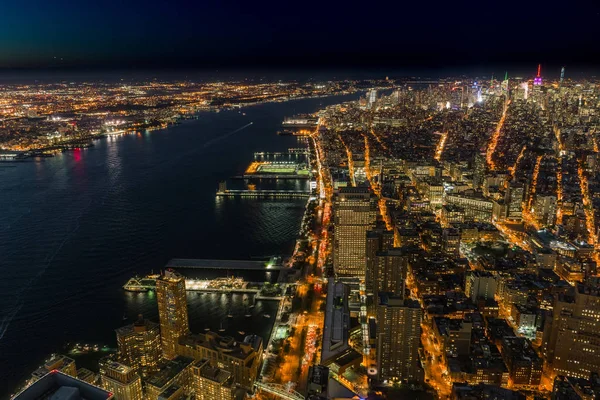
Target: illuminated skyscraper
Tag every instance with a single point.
(574, 344)
(537, 81)
(139, 345)
(372, 98)
(355, 213)
(562, 75)
(398, 338)
(505, 85)
(120, 379)
(390, 272)
(172, 311)
(378, 240)
(514, 200)
(544, 209)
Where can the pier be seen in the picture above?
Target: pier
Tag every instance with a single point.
(264, 193)
(294, 152)
(229, 265)
(271, 176)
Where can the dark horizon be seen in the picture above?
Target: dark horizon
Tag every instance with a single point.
(256, 73)
(183, 34)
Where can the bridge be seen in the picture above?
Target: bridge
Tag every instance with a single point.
(263, 193)
(280, 391)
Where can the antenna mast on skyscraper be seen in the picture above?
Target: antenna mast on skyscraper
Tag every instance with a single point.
(538, 79)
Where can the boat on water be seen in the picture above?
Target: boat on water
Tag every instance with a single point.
(242, 333)
(248, 315)
(145, 284)
(266, 316)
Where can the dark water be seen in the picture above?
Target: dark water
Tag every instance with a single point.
(74, 228)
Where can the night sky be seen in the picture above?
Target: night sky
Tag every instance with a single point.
(244, 33)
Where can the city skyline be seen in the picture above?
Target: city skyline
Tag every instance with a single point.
(299, 201)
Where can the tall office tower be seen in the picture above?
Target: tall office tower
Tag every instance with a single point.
(562, 76)
(451, 242)
(390, 273)
(573, 347)
(355, 212)
(372, 98)
(212, 383)
(480, 285)
(120, 379)
(337, 321)
(172, 311)
(378, 239)
(505, 85)
(479, 165)
(139, 345)
(398, 338)
(537, 81)
(544, 209)
(514, 200)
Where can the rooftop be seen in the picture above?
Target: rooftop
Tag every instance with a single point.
(58, 386)
(174, 367)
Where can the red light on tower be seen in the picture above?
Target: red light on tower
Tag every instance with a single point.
(538, 79)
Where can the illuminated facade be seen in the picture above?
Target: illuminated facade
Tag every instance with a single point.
(61, 363)
(172, 311)
(177, 372)
(241, 359)
(514, 201)
(377, 240)
(574, 343)
(390, 272)
(139, 345)
(451, 242)
(480, 285)
(211, 383)
(544, 210)
(476, 208)
(398, 336)
(523, 363)
(120, 379)
(355, 213)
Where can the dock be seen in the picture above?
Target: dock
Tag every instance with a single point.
(229, 265)
(264, 193)
(271, 176)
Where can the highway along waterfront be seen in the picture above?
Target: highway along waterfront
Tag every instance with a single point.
(75, 227)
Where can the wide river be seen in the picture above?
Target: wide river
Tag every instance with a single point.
(74, 228)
